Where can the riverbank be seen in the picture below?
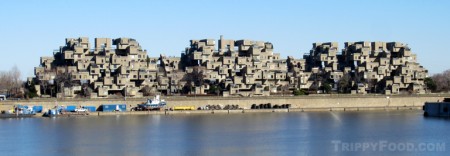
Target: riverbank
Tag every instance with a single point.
(322, 102)
(250, 111)
(391, 108)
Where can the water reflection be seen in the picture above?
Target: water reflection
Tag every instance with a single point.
(302, 133)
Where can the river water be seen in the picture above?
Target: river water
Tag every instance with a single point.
(299, 133)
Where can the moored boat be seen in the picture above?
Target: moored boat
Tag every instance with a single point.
(437, 109)
(152, 104)
(16, 115)
(18, 112)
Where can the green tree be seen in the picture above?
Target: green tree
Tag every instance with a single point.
(344, 83)
(326, 87)
(31, 91)
(213, 89)
(187, 88)
(147, 60)
(430, 84)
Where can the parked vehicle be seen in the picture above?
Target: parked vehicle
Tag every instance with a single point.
(62, 111)
(80, 110)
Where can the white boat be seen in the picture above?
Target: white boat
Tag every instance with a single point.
(152, 104)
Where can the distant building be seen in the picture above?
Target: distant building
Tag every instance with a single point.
(235, 68)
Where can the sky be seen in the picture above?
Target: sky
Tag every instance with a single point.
(34, 28)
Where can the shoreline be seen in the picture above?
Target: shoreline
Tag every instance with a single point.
(247, 111)
(250, 111)
(298, 104)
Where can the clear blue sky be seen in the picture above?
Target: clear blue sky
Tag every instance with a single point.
(35, 28)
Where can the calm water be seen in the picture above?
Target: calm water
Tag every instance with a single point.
(302, 133)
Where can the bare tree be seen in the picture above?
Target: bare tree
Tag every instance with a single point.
(15, 72)
(442, 81)
(3, 81)
(86, 90)
(10, 82)
(44, 84)
(64, 79)
(147, 91)
(16, 82)
(196, 76)
(193, 79)
(317, 79)
(284, 89)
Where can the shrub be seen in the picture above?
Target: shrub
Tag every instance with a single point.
(298, 92)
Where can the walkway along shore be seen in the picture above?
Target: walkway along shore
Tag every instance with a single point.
(392, 108)
(298, 103)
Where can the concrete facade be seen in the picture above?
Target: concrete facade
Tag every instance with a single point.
(375, 67)
(233, 68)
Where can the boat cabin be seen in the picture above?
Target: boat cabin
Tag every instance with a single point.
(437, 109)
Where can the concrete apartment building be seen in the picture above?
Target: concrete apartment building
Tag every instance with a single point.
(238, 67)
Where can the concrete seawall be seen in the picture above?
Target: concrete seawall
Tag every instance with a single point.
(243, 111)
(302, 102)
(250, 111)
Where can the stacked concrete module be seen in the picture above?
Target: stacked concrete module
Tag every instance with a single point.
(105, 69)
(244, 67)
(237, 68)
(390, 66)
